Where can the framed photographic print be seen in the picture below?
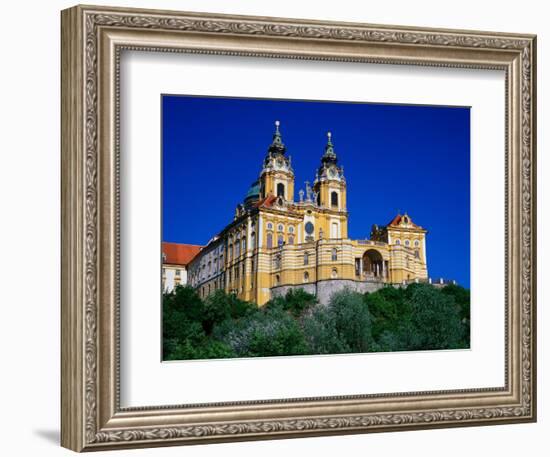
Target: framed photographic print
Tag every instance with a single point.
(282, 228)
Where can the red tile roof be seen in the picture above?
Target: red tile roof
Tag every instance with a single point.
(179, 254)
(397, 220)
(267, 201)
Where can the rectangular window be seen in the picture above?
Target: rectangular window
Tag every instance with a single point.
(334, 232)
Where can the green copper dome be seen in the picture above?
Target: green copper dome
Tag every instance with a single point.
(254, 190)
(253, 193)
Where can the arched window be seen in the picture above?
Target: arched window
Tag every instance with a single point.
(253, 240)
(269, 226)
(290, 239)
(334, 273)
(306, 258)
(319, 199)
(334, 254)
(280, 227)
(398, 242)
(244, 244)
(277, 280)
(416, 243)
(281, 190)
(270, 240)
(334, 199)
(290, 229)
(230, 251)
(280, 240)
(237, 248)
(306, 277)
(407, 243)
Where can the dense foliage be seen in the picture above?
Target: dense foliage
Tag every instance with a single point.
(418, 317)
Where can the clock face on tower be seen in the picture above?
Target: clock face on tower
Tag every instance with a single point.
(309, 228)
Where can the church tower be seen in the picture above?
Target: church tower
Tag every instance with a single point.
(277, 176)
(330, 184)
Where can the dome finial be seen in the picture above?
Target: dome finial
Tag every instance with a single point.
(329, 149)
(277, 145)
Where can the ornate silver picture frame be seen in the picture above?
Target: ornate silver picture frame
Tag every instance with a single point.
(93, 39)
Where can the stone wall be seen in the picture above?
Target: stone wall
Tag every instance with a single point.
(323, 290)
(279, 291)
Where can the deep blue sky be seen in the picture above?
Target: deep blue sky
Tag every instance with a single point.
(395, 157)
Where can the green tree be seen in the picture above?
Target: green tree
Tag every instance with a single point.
(344, 325)
(321, 334)
(295, 301)
(462, 299)
(388, 309)
(435, 319)
(352, 320)
(181, 320)
(187, 300)
(220, 306)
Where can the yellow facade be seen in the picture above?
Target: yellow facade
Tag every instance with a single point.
(277, 241)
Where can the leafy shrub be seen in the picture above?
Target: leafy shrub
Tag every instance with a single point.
(268, 332)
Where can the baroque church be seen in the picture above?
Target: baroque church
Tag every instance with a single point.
(277, 242)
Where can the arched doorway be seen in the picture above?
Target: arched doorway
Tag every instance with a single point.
(373, 265)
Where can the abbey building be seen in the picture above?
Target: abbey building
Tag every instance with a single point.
(278, 240)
